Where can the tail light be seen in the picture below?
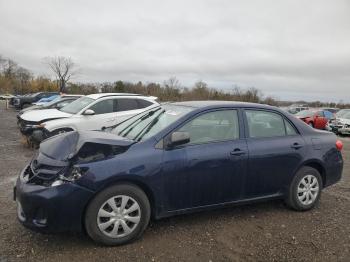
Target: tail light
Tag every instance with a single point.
(339, 145)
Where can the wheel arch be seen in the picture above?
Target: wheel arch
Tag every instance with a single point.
(316, 164)
(131, 181)
(63, 128)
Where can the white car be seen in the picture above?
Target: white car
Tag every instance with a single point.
(340, 125)
(92, 112)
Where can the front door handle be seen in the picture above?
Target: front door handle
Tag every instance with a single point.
(296, 146)
(237, 152)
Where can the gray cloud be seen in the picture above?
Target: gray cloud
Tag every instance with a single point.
(289, 49)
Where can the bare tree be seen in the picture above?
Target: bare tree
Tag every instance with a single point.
(10, 68)
(2, 63)
(172, 82)
(63, 68)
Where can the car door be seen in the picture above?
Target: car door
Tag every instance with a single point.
(276, 149)
(320, 120)
(210, 168)
(104, 116)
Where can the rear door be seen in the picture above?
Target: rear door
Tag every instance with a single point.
(275, 151)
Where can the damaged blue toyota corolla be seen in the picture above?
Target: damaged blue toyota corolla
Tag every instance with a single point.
(173, 159)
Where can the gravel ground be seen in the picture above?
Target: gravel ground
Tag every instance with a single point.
(265, 232)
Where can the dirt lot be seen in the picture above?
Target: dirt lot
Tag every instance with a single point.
(264, 232)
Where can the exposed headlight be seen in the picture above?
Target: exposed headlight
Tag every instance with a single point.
(74, 174)
(57, 183)
(36, 126)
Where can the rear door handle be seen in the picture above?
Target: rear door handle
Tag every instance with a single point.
(237, 152)
(296, 146)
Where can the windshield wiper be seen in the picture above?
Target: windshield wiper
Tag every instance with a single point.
(132, 125)
(148, 127)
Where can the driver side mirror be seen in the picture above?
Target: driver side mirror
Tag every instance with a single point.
(89, 112)
(178, 138)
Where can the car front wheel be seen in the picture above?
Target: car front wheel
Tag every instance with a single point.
(118, 215)
(305, 189)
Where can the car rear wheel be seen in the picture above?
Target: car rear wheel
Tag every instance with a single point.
(118, 215)
(305, 189)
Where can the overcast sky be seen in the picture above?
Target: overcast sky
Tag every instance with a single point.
(288, 49)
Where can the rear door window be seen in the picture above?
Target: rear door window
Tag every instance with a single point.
(143, 103)
(126, 104)
(267, 124)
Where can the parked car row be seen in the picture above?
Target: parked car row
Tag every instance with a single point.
(108, 163)
(330, 119)
(317, 118)
(24, 101)
(92, 112)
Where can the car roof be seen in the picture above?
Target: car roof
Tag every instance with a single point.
(214, 103)
(100, 95)
(71, 96)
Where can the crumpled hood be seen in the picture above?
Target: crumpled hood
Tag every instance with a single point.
(66, 146)
(44, 114)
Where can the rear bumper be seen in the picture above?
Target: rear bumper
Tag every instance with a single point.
(334, 169)
(51, 209)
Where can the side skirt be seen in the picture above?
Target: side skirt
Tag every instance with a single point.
(278, 195)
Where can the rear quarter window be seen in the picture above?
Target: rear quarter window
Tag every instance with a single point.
(143, 103)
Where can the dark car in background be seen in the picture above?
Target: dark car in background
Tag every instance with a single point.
(24, 101)
(58, 103)
(173, 159)
(315, 118)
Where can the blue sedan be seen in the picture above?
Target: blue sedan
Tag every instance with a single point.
(174, 159)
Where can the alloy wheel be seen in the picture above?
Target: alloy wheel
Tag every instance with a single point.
(118, 216)
(308, 190)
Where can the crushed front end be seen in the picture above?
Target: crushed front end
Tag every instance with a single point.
(48, 192)
(45, 206)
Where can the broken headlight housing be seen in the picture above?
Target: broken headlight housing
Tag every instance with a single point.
(74, 174)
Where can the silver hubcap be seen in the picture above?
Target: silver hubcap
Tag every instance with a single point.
(308, 189)
(118, 216)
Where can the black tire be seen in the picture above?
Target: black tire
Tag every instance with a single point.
(130, 190)
(293, 200)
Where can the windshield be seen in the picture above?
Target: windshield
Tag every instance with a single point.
(342, 112)
(346, 115)
(305, 113)
(77, 105)
(53, 101)
(151, 122)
